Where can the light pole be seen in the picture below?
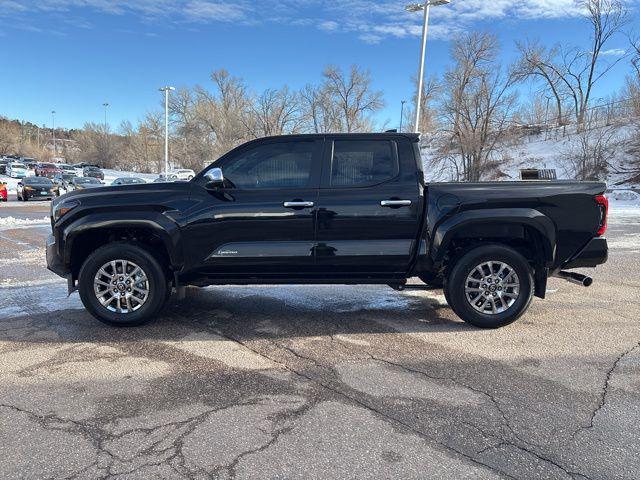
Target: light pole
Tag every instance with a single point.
(166, 91)
(416, 7)
(53, 132)
(402, 102)
(105, 105)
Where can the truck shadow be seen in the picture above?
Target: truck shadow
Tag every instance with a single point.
(250, 313)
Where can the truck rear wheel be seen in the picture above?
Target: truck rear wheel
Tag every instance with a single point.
(490, 286)
(121, 284)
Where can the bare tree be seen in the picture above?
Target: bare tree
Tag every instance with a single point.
(574, 72)
(478, 104)
(8, 136)
(354, 98)
(635, 56)
(591, 153)
(581, 70)
(536, 62)
(428, 114)
(274, 112)
(319, 112)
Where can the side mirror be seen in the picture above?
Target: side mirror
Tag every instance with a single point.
(215, 178)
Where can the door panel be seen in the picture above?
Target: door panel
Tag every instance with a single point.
(253, 229)
(356, 232)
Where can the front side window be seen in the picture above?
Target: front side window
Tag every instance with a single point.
(274, 165)
(359, 163)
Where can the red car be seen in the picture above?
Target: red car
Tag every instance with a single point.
(48, 170)
(3, 192)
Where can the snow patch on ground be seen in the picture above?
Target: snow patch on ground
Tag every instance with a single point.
(13, 283)
(622, 200)
(17, 222)
(111, 175)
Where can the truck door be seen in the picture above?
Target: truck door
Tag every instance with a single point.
(263, 221)
(370, 206)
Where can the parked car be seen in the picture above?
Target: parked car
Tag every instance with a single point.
(183, 173)
(127, 181)
(48, 170)
(3, 191)
(79, 168)
(166, 179)
(36, 187)
(94, 172)
(3, 165)
(31, 165)
(16, 169)
(83, 183)
(282, 210)
(63, 179)
(68, 169)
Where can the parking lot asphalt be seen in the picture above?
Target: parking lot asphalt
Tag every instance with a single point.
(317, 381)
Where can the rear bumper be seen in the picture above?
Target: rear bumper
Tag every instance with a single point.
(54, 261)
(595, 253)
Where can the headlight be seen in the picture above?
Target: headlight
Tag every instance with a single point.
(28, 188)
(62, 208)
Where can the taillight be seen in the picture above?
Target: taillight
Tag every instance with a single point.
(603, 203)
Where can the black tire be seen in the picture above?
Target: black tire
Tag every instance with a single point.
(431, 279)
(456, 282)
(146, 261)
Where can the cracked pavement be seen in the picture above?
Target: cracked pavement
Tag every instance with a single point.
(318, 382)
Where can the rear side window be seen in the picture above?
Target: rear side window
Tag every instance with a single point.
(274, 165)
(359, 163)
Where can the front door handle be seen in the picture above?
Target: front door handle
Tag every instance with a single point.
(298, 204)
(395, 203)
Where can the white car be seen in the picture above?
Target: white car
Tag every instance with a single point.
(183, 173)
(17, 170)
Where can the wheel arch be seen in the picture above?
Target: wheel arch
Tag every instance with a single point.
(518, 228)
(153, 231)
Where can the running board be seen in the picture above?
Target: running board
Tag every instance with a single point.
(399, 287)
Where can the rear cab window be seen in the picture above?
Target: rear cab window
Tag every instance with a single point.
(362, 163)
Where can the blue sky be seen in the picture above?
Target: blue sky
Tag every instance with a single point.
(73, 55)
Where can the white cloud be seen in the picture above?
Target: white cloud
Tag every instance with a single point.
(205, 11)
(371, 20)
(614, 52)
(328, 26)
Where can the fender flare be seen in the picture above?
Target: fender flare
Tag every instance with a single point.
(528, 217)
(164, 227)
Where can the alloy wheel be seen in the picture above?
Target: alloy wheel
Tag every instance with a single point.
(492, 287)
(121, 286)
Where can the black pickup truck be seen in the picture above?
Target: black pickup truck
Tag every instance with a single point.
(326, 209)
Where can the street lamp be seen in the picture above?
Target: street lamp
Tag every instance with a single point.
(105, 105)
(402, 113)
(166, 91)
(53, 132)
(416, 7)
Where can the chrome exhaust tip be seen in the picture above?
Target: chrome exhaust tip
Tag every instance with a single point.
(576, 278)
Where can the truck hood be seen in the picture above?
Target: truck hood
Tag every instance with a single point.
(127, 194)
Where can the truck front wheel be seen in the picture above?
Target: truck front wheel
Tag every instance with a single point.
(122, 284)
(490, 286)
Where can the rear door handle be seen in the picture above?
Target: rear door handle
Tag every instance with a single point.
(395, 203)
(298, 204)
